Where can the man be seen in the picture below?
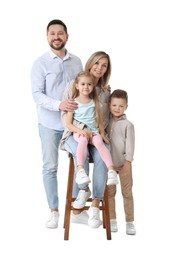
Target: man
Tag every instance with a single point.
(49, 76)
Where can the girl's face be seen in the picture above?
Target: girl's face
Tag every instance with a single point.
(85, 85)
(117, 106)
(99, 68)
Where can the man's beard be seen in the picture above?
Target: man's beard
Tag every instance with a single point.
(58, 48)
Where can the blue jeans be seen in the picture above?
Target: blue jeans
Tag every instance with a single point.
(50, 140)
(99, 170)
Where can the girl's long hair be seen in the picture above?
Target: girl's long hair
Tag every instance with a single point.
(92, 95)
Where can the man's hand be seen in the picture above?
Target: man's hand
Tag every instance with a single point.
(68, 105)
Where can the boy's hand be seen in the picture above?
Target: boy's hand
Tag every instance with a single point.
(105, 139)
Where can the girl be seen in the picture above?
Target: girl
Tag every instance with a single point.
(88, 113)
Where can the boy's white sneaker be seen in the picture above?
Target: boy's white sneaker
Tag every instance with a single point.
(113, 224)
(112, 178)
(82, 177)
(130, 228)
(94, 220)
(81, 199)
(53, 220)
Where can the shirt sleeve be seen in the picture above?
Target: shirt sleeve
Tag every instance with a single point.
(130, 143)
(38, 89)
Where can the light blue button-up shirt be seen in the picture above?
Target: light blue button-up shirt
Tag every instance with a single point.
(49, 78)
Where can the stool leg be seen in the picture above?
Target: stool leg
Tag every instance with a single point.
(103, 213)
(106, 217)
(68, 199)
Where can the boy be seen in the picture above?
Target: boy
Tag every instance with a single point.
(122, 141)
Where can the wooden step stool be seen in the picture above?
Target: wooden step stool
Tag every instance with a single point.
(68, 206)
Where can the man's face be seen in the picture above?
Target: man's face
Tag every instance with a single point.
(57, 37)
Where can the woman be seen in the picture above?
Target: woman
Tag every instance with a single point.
(99, 65)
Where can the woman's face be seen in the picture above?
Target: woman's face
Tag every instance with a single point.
(99, 68)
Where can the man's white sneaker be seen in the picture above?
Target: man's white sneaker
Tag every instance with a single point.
(81, 218)
(112, 178)
(130, 228)
(81, 199)
(53, 220)
(82, 177)
(94, 220)
(113, 224)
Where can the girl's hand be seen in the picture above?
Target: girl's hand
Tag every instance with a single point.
(85, 132)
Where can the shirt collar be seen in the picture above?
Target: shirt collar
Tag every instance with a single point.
(120, 118)
(54, 56)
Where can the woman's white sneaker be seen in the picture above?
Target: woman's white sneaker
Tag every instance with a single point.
(81, 199)
(81, 218)
(94, 220)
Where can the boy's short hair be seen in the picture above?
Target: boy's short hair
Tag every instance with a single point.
(119, 93)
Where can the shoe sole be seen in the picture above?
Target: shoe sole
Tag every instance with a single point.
(51, 227)
(114, 231)
(112, 183)
(131, 234)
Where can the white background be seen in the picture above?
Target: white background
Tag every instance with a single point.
(138, 35)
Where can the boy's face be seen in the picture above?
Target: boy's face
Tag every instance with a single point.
(117, 106)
